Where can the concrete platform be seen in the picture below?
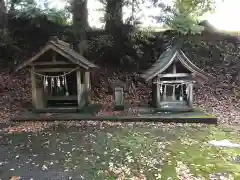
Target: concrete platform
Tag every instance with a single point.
(188, 117)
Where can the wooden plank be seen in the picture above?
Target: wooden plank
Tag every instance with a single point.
(40, 98)
(63, 43)
(154, 94)
(87, 86)
(58, 110)
(175, 75)
(51, 63)
(164, 68)
(70, 58)
(53, 69)
(56, 98)
(34, 87)
(27, 62)
(174, 72)
(174, 68)
(158, 92)
(54, 56)
(174, 82)
(79, 88)
(174, 93)
(165, 93)
(190, 101)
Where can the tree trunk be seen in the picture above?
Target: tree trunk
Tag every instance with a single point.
(114, 15)
(3, 17)
(80, 24)
(3, 27)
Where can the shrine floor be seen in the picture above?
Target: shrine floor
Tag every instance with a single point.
(130, 114)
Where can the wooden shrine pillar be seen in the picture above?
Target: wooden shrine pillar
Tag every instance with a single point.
(54, 54)
(154, 93)
(190, 100)
(79, 88)
(158, 91)
(34, 87)
(87, 86)
(40, 100)
(37, 91)
(165, 92)
(174, 88)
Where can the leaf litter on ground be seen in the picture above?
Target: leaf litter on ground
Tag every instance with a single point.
(210, 99)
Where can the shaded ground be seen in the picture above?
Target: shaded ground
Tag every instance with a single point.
(120, 151)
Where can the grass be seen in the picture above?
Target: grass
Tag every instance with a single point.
(145, 150)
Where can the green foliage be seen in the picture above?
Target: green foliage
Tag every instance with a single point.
(100, 42)
(195, 8)
(185, 15)
(28, 9)
(58, 17)
(12, 5)
(184, 24)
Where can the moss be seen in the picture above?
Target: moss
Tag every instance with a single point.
(206, 116)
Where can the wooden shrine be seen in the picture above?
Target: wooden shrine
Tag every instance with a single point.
(60, 76)
(173, 76)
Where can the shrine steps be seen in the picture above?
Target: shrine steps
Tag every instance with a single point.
(58, 110)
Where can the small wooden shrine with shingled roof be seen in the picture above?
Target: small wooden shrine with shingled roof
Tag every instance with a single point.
(173, 76)
(60, 77)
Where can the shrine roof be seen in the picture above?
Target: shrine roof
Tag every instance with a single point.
(167, 58)
(63, 49)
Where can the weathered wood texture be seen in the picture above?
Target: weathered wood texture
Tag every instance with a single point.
(87, 86)
(34, 87)
(59, 48)
(56, 98)
(40, 102)
(174, 82)
(54, 54)
(190, 101)
(53, 69)
(51, 63)
(169, 75)
(79, 88)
